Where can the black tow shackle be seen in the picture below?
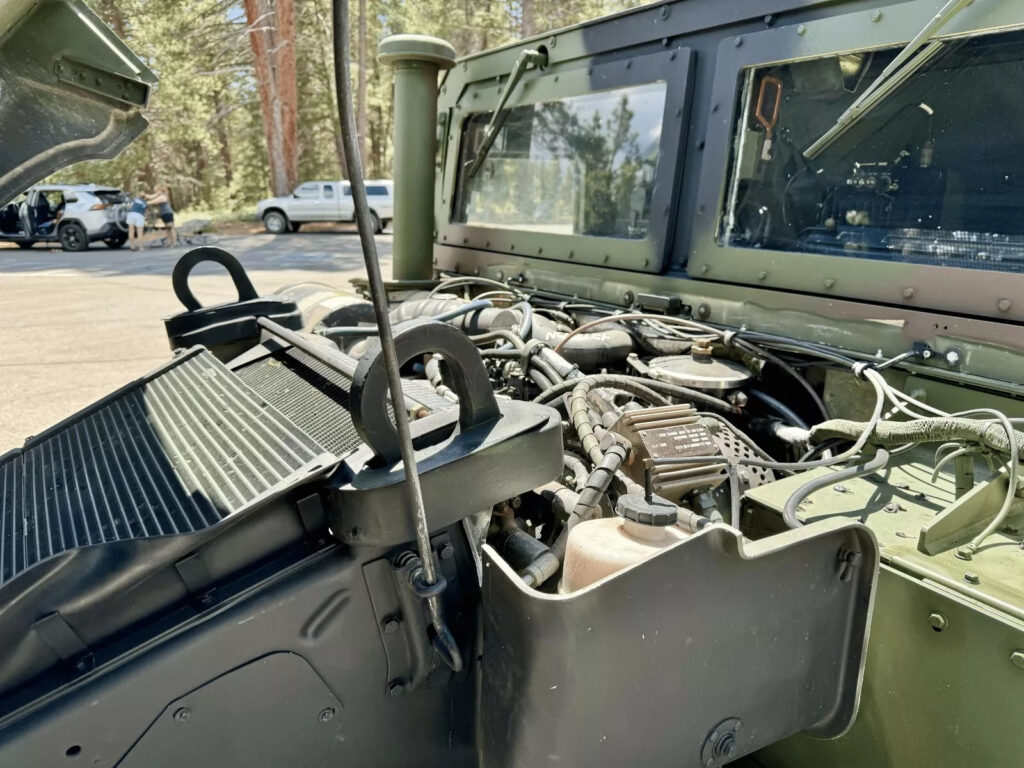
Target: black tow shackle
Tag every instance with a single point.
(477, 404)
(188, 262)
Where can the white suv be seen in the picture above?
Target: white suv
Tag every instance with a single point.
(326, 201)
(73, 215)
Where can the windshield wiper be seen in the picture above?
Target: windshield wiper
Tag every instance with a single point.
(528, 58)
(915, 55)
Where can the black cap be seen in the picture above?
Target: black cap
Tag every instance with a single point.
(646, 511)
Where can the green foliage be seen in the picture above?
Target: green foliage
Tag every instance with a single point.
(206, 138)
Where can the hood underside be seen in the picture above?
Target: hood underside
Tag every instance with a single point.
(70, 90)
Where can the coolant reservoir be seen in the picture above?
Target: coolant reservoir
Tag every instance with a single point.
(598, 548)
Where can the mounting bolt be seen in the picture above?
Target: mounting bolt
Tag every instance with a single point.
(876, 16)
(182, 714)
(326, 715)
(830, 283)
(892, 507)
(703, 310)
(396, 688)
(965, 553)
(840, 489)
(1017, 659)
(627, 297)
(937, 621)
(391, 625)
(908, 293)
(1003, 305)
(801, 30)
(763, 274)
(665, 11)
(971, 577)
(446, 552)
(952, 358)
(926, 353)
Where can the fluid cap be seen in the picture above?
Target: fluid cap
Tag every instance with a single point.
(652, 510)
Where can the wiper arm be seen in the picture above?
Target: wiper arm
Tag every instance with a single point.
(915, 55)
(528, 58)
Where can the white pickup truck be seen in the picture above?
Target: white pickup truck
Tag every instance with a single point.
(326, 201)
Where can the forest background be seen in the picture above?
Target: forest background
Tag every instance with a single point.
(245, 106)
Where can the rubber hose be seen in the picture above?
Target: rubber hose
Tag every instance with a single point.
(589, 502)
(630, 384)
(879, 460)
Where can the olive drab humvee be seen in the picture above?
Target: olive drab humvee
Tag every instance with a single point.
(709, 321)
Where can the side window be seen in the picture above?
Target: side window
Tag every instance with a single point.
(579, 165)
(925, 174)
(308, 191)
(329, 191)
(377, 190)
(346, 191)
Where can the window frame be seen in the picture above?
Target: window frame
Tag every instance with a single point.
(940, 287)
(576, 78)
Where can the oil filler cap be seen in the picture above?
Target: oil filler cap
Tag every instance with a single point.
(652, 510)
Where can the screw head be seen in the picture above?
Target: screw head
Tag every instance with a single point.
(326, 715)
(396, 688)
(627, 297)
(830, 283)
(801, 30)
(971, 577)
(892, 507)
(908, 293)
(183, 714)
(665, 11)
(391, 625)
(446, 552)
(1003, 305)
(952, 358)
(937, 621)
(876, 16)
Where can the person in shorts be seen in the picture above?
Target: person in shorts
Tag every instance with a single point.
(161, 198)
(136, 221)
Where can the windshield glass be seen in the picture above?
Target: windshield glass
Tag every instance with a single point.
(581, 165)
(930, 175)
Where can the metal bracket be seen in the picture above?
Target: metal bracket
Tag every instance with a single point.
(966, 516)
(101, 81)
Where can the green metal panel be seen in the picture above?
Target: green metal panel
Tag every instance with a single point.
(930, 698)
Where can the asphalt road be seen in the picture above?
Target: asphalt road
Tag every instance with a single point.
(76, 326)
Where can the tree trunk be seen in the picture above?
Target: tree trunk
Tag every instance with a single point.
(529, 20)
(272, 37)
(361, 86)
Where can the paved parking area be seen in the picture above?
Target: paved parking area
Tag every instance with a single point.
(74, 326)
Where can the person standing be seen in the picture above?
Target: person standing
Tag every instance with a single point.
(161, 198)
(136, 221)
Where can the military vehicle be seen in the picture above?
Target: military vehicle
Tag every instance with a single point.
(708, 323)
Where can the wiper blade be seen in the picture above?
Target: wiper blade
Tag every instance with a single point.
(528, 58)
(914, 55)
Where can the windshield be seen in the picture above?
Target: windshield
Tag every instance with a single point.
(580, 165)
(931, 175)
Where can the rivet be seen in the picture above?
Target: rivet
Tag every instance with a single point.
(830, 283)
(938, 621)
(665, 11)
(801, 30)
(738, 42)
(762, 275)
(1017, 659)
(391, 625)
(876, 16)
(326, 715)
(1004, 305)
(908, 293)
(971, 577)
(892, 507)
(396, 688)
(704, 269)
(182, 714)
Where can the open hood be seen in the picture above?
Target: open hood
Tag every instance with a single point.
(70, 90)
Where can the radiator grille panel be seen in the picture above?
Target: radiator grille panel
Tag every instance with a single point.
(172, 454)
